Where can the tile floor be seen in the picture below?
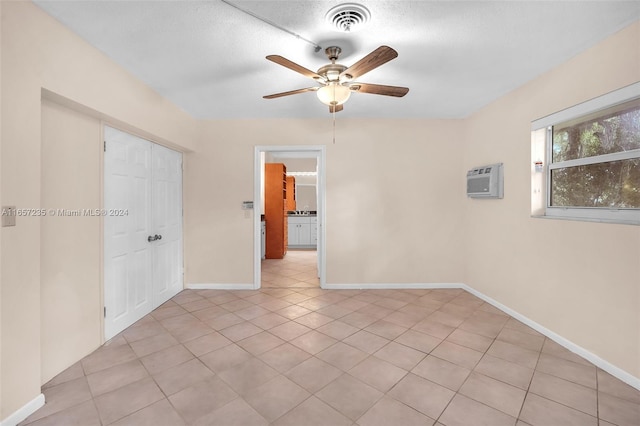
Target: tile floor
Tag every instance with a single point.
(305, 356)
(298, 269)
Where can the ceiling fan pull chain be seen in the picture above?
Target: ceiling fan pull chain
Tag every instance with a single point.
(334, 114)
(334, 125)
(335, 106)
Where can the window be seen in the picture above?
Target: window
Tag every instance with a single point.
(592, 153)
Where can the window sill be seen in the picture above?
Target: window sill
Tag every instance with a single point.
(588, 219)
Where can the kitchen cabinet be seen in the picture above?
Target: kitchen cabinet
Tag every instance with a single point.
(314, 234)
(291, 193)
(275, 196)
(303, 231)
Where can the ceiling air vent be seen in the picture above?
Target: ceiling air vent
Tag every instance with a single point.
(348, 17)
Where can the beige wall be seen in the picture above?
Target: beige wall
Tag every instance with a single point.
(2, 416)
(38, 53)
(396, 215)
(394, 199)
(581, 280)
(70, 246)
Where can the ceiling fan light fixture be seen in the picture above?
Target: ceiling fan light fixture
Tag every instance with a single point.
(333, 94)
(336, 80)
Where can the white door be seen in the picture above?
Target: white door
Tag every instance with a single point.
(167, 223)
(143, 228)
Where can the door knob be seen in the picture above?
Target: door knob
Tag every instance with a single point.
(158, 237)
(151, 238)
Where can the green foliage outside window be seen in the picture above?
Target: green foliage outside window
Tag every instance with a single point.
(598, 182)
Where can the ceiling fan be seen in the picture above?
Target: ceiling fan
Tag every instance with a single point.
(337, 81)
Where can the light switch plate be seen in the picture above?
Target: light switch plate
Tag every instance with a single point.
(8, 216)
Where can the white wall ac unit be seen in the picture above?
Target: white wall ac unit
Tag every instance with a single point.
(486, 181)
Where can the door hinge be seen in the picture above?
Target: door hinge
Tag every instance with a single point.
(105, 311)
(105, 146)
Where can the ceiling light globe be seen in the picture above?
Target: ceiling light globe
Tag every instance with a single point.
(333, 94)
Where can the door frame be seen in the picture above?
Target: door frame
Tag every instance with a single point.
(294, 151)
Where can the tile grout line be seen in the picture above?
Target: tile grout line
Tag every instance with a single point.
(368, 303)
(467, 378)
(535, 368)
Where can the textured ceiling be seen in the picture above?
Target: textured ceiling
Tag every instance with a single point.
(455, 56)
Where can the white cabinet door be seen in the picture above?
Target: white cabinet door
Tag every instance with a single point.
(292, 238)
(304, 234)
(303, 231)
(142, 199)
(263, 241)
(314, 234)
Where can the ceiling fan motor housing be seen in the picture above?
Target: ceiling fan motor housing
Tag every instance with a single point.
(331, 72)
(333, 52)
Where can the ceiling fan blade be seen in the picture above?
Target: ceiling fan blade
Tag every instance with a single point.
(293, 66)
(291, 92)
(378, 89)
(337, 108)
(381, 55)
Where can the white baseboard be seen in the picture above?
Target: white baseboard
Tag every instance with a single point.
(578, 350)
(392, 286)
(219, 286)
(25, 411)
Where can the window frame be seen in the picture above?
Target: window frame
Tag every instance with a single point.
(598, 214)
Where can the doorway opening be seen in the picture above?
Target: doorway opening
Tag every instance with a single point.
(298, 259)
